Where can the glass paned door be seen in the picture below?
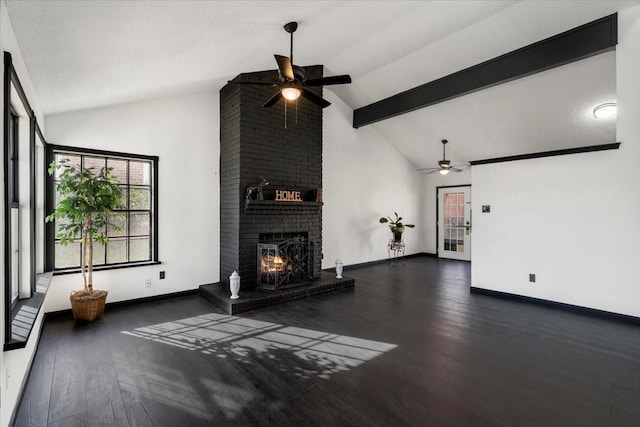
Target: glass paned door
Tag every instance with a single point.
(454, 223)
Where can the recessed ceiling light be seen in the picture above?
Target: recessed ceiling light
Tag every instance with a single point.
(603, 111)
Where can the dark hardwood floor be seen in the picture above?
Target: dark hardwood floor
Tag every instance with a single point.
(409, 346)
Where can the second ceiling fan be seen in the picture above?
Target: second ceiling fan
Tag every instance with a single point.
(293, 81)
(444, 165)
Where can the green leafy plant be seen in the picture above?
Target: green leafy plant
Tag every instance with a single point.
(86, 200)
(396, 225)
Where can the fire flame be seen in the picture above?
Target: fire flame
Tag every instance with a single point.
(271, 264)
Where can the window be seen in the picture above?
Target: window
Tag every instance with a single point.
(25, 280)
(135, 242)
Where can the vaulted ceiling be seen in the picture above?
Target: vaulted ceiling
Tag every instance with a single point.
(85, 54)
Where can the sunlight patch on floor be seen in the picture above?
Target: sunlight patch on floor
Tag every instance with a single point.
(317, 353)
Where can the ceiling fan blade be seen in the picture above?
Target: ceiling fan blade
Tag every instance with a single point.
(332, 80)
(285, 67)
(319, 101)
(246, 82)
(272, 101)
(428, 170)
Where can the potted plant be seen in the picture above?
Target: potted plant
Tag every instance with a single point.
(396, 226)
(86, 200)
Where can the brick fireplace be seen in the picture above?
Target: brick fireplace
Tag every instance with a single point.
(255, 144)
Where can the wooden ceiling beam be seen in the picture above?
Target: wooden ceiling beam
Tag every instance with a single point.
(578, 43)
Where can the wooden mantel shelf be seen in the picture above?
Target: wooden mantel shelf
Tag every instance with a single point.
(271, 206)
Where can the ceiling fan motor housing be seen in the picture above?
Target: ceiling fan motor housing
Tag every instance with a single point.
(291, 27)
(299, 73)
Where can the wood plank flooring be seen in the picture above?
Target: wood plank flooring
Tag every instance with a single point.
(409, 346)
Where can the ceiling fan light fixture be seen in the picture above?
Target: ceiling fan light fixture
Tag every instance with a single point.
(290, 93)
(606, 110)
(444, 171)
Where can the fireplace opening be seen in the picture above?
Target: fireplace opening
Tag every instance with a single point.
(286, 262)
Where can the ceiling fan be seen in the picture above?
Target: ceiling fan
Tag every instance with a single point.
(444, 165)
(292, 81)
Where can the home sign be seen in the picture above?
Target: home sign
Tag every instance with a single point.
(288, 196)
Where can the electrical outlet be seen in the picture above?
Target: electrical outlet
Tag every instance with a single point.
(162, 275)
(147, 283)
(532, 277)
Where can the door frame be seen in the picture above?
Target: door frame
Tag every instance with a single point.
(438, 212)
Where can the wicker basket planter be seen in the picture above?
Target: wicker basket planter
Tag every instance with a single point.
(86, 306)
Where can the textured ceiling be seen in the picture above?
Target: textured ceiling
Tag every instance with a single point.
(85, 54)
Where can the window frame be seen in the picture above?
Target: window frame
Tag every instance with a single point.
(51, 151)
(19, 317)
(13, 148)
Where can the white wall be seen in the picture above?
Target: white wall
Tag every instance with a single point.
(364, 178)
(184, 132)
(14, 364)
(571, 220)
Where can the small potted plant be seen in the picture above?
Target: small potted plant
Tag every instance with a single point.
(86, 200)
(396, 226)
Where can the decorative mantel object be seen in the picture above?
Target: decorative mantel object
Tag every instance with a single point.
(288, 196)
(234, 284)
(257, 190)
(396, 226)
(339, 268)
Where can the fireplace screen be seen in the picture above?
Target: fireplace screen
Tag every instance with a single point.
(285, 264)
